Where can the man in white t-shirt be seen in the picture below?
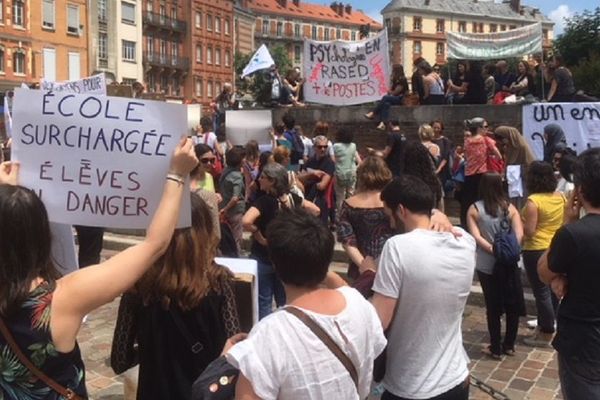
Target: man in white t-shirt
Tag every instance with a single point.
(421, 289)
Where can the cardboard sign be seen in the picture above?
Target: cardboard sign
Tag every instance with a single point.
(343, 73)
(97, 160)
(245, 125)
(579, 121)
(94, 84)
(249, 268)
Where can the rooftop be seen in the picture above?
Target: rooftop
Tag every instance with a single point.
(343, 14)
(507, 9)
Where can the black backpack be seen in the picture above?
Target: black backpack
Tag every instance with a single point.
(297, 147)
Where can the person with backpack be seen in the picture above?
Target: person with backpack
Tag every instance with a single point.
(290, 134)
(274, 182)
(233, 193)
(500, 281)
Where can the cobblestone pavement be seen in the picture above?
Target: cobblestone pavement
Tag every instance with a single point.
(531, 374)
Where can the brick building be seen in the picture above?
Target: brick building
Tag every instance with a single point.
(417, 28)
(287, 22)
(16, 49)
(59, 30)
(210, 45)
(243, 27)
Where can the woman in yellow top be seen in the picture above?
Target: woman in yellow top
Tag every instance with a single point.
(542, 216)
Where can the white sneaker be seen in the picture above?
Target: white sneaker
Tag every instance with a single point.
(532, 323)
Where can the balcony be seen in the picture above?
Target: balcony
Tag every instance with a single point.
(164, 22)
(166, 61)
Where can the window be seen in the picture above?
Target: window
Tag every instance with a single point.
(512, 27)
(297, 30)
(388, 24)
(176, 86)
(2, 14)
(151, 83)
(417, 23)
(174, 13)
(338, 33)
(102, 46)
(545, 34)
(174, 53)
(417, 47)
(198, 20)
(218, 87)
(502, 27)
(163, 51)
(127, 13)
(18, 13)
(439, 49)
(493, 28)
(149, 5)
(198, 87)
(217, 56)
(1, 59)
(297, 53)
(474, 27)
(199, 53)
(209, 23)
(209, 89)
(128, 50)
(326, 37)
(162, 12)
(227, 58)
(481, 27)
(73, 19)
(279, 28)
(164, 84)
(462, 26)
(102, 9)
(313, 32)
(74, 66)
(218, 24)
(440, 25)
(19, 62)
(353, 35)
(227, 28)
(208, 55)
(49, 60)
(265, 26)
(48, 14)
(150, 44)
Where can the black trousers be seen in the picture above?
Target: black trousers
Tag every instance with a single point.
(459, 392)
(495, 307)
(90, 240)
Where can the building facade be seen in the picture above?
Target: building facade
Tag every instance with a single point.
(16, 48)
(417, 28)
(288, 22)
(210, 45)
(59, 29)
(243, 28)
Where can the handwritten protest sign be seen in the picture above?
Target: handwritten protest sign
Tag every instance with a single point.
(580, 123)
(94, 84)
(96, 160)
(245, 125)
(342, 73)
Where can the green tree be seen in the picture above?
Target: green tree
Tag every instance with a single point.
(586, 74)
(259, 84)
(580, 38)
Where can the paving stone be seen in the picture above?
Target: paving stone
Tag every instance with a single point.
(540, 394)
(503, 375)
(533, 364)
(521, 384)
(528, 373)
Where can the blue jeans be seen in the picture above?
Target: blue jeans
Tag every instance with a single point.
(383, 107)
(578, 379)
(269, 286)
(546, 302)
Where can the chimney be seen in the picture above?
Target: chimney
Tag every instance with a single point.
(348, 8)
(333, 6)
(340, 9)
(296, 2)
(515, 5)
(282, 3)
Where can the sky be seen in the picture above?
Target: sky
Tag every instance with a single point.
(556, 10)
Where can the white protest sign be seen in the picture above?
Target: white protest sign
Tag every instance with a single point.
(343, 73)
(245, 125)
(194, 112)
(97, 160)
(95, 84)
(244, 266)
(580, 123)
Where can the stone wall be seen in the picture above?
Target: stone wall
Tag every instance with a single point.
(365, 134)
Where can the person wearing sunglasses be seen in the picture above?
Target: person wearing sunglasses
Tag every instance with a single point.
(317, 179)
(202, 182)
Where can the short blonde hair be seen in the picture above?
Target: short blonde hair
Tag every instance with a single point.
(280, 154)
(426, 132)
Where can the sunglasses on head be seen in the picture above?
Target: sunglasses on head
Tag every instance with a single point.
(207, 160)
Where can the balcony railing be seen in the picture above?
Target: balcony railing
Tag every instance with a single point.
(166, 61)
(162, 21)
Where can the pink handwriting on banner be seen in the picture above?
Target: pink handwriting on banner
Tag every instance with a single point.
(314, 75)
(378, 74)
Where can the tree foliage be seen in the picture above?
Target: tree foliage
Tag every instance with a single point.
(586, 74)
(259, 85)
(580, 38)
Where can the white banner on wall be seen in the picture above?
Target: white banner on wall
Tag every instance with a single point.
(344, 73)
(97, 160)
(579, 121)
(245, 125)
(484, 46)
(95, 84)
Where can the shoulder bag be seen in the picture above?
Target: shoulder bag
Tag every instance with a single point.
(506, 247)
(51, 383)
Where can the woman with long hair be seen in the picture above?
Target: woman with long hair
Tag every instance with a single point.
(250, 164)
(399, 87)
(433, 85)
(363, 227)
(201, 182)
(524, 84)
(427, 137)
(455, 92)
(183, 311)
(418, 162)
(44, 312)
(274, 181)
(501, 284)
(445, 145)
(478, 148)
(542, 216)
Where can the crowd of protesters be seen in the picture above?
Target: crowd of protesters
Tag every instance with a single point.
(410, 271)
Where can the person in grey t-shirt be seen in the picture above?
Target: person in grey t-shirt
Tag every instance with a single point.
(562, 88)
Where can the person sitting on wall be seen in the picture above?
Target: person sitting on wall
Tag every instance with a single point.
(394, 96)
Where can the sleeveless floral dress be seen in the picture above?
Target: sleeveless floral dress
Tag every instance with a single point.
(30, 327)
